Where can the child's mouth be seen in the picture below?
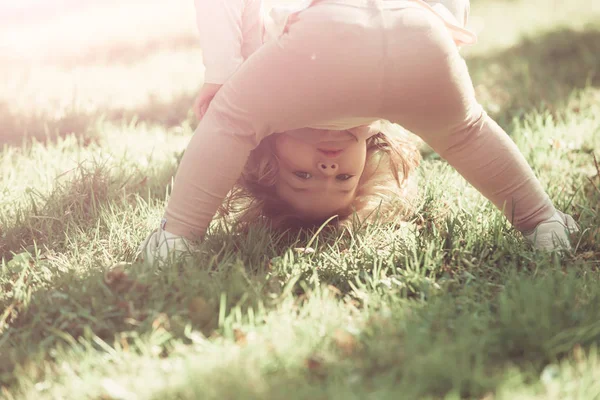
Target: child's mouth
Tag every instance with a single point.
(330, 153)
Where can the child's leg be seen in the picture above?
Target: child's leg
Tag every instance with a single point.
(438, 104)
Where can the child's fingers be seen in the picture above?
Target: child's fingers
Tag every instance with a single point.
(202, 101)
(201, 106)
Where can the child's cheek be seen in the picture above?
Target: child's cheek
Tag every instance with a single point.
(283, 143)
(291, 143)
(293, 152)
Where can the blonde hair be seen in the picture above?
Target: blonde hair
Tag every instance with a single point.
(385, 189)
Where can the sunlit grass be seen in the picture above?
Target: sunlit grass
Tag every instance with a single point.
(452, 304)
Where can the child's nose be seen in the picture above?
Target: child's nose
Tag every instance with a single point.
(328, 168)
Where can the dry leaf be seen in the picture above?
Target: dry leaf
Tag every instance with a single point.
(556, 143)
(161, 321)
(240, 337)
(315, 365)
(334, 290)
(114, 275)
(118, 280)
(345, 341)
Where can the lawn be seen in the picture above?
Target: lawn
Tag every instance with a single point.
(94, 116)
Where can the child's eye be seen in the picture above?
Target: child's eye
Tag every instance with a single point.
(343, 177)
(303, 175)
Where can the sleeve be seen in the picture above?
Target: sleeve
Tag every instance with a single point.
(221, 37)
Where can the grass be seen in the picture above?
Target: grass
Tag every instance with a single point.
(451, 305)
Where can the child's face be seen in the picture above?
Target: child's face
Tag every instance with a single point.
(319, 170)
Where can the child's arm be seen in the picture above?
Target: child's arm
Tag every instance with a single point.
(220, 27)
(230, 30)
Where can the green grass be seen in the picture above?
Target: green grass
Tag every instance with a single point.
(450, 305)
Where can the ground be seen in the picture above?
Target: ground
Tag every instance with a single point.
(94, 114)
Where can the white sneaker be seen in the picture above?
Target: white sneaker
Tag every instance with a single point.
(161, 246)
(553, 234)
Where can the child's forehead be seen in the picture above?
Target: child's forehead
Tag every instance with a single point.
(359, 132)
(313, 136)
(366, 131)
(304, 131)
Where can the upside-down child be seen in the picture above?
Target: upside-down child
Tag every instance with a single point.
(339, 67)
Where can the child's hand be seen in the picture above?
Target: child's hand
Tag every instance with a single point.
(205, 96)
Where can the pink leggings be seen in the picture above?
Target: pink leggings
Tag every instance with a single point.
(341, 62)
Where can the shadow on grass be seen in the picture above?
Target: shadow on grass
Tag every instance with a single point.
(411, 345)
(540, 73)
(77, 204)
(19, 129)
(44, 307)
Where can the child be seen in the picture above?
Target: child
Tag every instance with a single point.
(337, 65)
(383, 187)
